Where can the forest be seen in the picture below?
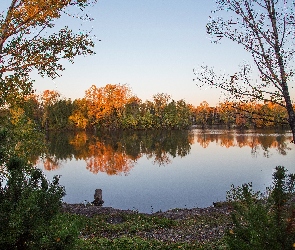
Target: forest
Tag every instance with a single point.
(115, 107)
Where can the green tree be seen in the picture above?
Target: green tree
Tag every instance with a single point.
(160, 102)
(25, 140)
(131, 113)
(184, 115)
(24, 45)
(59, 113)
(147, 112)
(32, 109)
(265, 28)
(170, 117)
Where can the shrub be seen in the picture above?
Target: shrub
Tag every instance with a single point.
(30, 216)
(264, 221)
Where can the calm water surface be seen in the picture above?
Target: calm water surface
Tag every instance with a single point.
(161, 170)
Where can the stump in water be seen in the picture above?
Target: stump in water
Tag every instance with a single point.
(98, 198)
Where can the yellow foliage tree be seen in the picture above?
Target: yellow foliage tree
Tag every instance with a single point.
(107, 103)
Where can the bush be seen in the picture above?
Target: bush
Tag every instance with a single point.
(30, 210)
(264, 221)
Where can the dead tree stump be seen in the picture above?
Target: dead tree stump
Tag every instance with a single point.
(98, 198)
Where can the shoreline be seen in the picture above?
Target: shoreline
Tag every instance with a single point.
(90, 210)
(190, 225)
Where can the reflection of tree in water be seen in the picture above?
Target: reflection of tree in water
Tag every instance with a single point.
(282, 145)
(50, 162)
(58, 150)
(117, 152)
(254, 141)
(162, 145)
(226, 140)
(105, 159)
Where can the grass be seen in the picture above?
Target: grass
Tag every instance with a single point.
(141, 231)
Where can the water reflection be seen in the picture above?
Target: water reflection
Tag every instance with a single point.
(117, 153)
(256, 140)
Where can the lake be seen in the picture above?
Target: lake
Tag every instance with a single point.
(160, 170)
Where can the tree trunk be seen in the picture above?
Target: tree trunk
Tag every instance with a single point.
(291, 119)
(290, 110)
(280, 61)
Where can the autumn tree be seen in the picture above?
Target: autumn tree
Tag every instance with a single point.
(226, 113)
(26, 46)
(106, 104)
(265, 28)
(79, 116)
(30, 206)
(202, 113)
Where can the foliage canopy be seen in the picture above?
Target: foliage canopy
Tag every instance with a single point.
(26, 46)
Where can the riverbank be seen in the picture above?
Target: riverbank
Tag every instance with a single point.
(189, 228)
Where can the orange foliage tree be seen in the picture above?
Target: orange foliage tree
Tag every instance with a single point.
(202, 113)
(80, 114)
(24, 45)
(106, 104)
(241, 115)
(226, 112)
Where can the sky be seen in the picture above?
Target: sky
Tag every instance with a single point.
(152, 46)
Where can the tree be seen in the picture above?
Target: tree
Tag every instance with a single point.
(202, 113)
(106, 104)
(59, 114)
(265, 28)
(160, 102)
(24, 45)
(47, 99)
(227, 113)
(131, 114)
(30, 210)
(80, 113)
(30, 206)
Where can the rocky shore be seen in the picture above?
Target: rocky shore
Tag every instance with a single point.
(196, 224)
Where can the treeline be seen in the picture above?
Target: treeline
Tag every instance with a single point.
(114, 107)
(111, 107)
(241, 115)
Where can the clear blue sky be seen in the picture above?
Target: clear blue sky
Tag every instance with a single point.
(152, 45)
